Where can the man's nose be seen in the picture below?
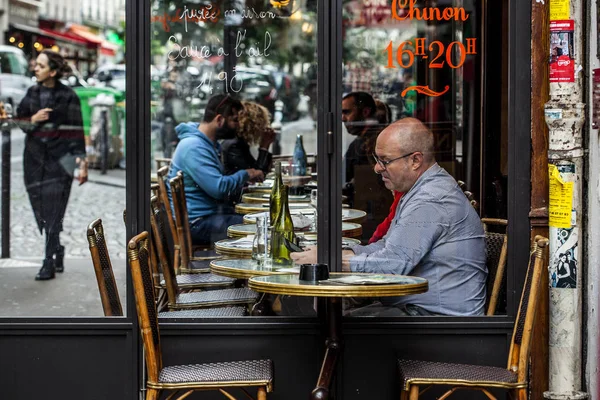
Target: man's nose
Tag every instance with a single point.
(377, 168)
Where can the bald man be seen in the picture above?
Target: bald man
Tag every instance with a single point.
(436, 234)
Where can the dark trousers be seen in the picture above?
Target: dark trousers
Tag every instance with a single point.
(211, 228)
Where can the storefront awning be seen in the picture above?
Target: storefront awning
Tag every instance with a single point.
(83, 32)
(62, 37)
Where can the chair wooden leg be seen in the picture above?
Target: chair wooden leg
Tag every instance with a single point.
(404, 395)
(152, 394)
(521, 394)
(261, 394)
(414, 392)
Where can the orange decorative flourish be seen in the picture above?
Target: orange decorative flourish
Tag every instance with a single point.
(425, 90)
(279, 4)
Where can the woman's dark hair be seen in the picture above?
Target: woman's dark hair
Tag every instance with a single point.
(57, 63)
(222, 104)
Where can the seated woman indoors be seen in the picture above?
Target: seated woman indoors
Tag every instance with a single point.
(254, 129)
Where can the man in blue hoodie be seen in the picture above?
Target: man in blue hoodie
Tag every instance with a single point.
(198, 156)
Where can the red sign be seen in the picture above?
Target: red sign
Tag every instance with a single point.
(562, 57)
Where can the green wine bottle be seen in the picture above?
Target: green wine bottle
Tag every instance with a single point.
(274, 202)
(282, 229)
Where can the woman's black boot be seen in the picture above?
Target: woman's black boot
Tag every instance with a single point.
(59, 257)
(47, 271)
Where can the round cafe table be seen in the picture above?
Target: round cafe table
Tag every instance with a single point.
(288, 284)
(349, 229)
(264, 198)
(240, 248)
(246, 208)
(348, 214)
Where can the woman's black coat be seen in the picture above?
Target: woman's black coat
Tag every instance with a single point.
(51, 149)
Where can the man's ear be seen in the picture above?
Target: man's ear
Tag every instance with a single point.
(418, 159)
(219, 120)
(366, 112)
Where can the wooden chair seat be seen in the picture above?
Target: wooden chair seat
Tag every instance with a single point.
(424, 372)
(192, 281)
(214, 298)
(237, 311)
(214, 375)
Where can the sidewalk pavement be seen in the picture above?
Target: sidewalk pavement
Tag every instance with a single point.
(113, 177)
(74, 293)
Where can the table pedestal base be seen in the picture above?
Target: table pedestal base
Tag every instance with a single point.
(333, 346)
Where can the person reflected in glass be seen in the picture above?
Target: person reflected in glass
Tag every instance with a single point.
(254, 129)
(359, 118)
(50, 115)
(169, 95)
(206, 186)
(436, 233)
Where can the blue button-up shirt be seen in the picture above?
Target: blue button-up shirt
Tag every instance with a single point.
(437, 235)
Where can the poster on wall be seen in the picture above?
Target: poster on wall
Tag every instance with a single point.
(562, 57)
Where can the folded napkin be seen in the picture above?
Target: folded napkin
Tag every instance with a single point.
(301, 221)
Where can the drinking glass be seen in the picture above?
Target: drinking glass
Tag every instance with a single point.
(260, 251)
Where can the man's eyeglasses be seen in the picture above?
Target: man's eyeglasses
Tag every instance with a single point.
(384, 164)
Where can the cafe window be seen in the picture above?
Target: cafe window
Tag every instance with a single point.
(445, 65)
(234, 113)
(442, 64)
(67, 160)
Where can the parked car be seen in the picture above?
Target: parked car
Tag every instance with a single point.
(257, 85)
(109, 75)
(14, 79)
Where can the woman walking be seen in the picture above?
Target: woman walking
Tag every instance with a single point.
(50, 115)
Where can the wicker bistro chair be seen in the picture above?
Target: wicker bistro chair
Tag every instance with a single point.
(469, 195)
(414, 374)
(191, 262)
(184, 281)
(109, 295)
(185, 379)
(496, 248)
(176, 284)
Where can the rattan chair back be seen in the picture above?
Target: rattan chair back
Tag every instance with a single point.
(469, 195)
(109, 294)
(521, 341)
(162, 162)
(145, 301)
(159, 244)
(164, 199)
(181, 219)
(496, 248)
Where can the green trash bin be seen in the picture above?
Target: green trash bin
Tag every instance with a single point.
(117, 118)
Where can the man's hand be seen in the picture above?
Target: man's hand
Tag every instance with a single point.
(308, 256)
(346, 256)
(255, 175)
(41, 116)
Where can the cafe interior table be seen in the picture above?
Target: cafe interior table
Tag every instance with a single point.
(291, 285)
(245, 268)
(239, 248)
(348, 214)
(349, 229)
(267, 186)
